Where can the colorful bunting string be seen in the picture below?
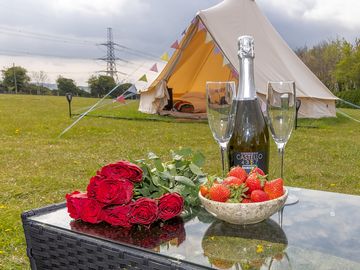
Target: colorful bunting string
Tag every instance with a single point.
(165, 57)
(175, 45)
(143, 78)
(154, 68)
(234, 73)
(216, 49)
(120, 99)
(201, 26)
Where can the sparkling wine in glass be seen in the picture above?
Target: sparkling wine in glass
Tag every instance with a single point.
(281, 112)
(221, 114)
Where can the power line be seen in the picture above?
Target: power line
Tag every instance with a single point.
(19, 53)
(37, 35)
(137, 52)
(70, 40)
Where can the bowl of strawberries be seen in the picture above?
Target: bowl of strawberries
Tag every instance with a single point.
(243, 198)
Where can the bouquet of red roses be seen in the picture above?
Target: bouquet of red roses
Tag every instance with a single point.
(112, 197)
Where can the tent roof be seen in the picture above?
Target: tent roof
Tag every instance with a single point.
(274, 59)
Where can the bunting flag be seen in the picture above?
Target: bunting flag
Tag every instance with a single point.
(193, 20)
(234, 73)
(143, 78)
(175, 45)
(132, 89)
(208, 37)
(225, 61)
(120, 99)
(201, 26)
(154, 68)
(216, 49)
(184, 32)
(165, 57)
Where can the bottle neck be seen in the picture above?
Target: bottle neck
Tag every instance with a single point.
(246, 89)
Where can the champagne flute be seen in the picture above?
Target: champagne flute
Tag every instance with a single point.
(221, 113)
(281, 112)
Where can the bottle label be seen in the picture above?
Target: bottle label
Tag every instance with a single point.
(249, 160)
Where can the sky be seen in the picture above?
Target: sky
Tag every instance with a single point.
(64, 37)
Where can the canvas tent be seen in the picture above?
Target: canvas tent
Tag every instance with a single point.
(208, 52)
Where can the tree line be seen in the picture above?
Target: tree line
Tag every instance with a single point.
(16, 79)
(337, 64)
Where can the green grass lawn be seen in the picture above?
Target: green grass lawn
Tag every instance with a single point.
(38, 168)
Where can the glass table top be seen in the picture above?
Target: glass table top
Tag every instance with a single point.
(322, 231)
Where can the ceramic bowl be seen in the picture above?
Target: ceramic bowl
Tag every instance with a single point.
(244, 213)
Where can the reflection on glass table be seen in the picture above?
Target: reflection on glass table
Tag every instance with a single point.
(321, 232)
(254, 246)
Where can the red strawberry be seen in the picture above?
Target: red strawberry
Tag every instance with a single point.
(254, 182)
(232, 181)
(219, 193)
(238, 172)
(275, 188)
(204, 190)
(246, 200)
(259, 196)
(257, 170)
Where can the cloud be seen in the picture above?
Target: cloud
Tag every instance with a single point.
(141, 24)
(307, 22)
(73, 30)
(341, 12)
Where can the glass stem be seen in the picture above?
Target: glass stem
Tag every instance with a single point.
(223, 147)
(281, 153)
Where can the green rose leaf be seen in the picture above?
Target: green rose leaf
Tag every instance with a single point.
(195, 169)
(158, 165)
(182, 173)
(172, 169)
(155, 180)
(198, 159)
(166, 175)
(184, 180)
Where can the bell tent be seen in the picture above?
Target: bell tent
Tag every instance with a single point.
(208, 52)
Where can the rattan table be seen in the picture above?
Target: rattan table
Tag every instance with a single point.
(322, 231)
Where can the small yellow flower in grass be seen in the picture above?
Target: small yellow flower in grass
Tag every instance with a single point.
(2, 206)
(332, 185)
(259, 249)
(1, 252)
(17, 131)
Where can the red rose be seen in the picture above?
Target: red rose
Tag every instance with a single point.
(73, 203)
(170, 205)
(117, 215)
(91, 210)
(84, 208)
(110, 191)
(143, 211)
(122, 169)
(94, 183)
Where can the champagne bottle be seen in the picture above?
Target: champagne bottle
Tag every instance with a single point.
(249, 143)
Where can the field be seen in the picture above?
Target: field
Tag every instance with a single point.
(38, 168)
